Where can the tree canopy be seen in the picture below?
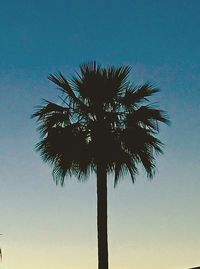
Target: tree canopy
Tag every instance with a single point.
(102, 118)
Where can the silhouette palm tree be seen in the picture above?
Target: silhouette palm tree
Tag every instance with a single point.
(100, 126)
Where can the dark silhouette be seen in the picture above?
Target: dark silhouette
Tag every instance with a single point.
(1, 252)
(101, 126)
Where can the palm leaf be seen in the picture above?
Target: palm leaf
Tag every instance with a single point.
(136, 95)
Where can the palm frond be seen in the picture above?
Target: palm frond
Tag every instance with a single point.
(124, 164)
(51, 115)
(137, 95)
(148, 117)
(66, 149)
(62, 82)
(47, 108)
(142, 145)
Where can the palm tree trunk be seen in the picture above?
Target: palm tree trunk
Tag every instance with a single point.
(102, 217)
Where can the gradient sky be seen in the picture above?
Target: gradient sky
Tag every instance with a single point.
(152, 225)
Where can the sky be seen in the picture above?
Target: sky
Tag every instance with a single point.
(152, 225)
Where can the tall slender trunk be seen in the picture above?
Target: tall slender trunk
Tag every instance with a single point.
(102, 217)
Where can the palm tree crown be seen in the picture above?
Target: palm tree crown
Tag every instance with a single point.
(103, 120)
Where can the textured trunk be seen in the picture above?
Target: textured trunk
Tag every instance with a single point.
(102, 217)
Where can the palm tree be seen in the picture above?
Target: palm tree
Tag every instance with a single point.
(99, 126)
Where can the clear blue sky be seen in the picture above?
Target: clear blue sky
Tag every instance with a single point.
(152, 225)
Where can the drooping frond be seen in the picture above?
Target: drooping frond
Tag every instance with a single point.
(51, 115)
(148, 117)
(66, 150)
(124, 164)
(142, 146)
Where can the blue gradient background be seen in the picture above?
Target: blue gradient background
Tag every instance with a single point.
(152, 225)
